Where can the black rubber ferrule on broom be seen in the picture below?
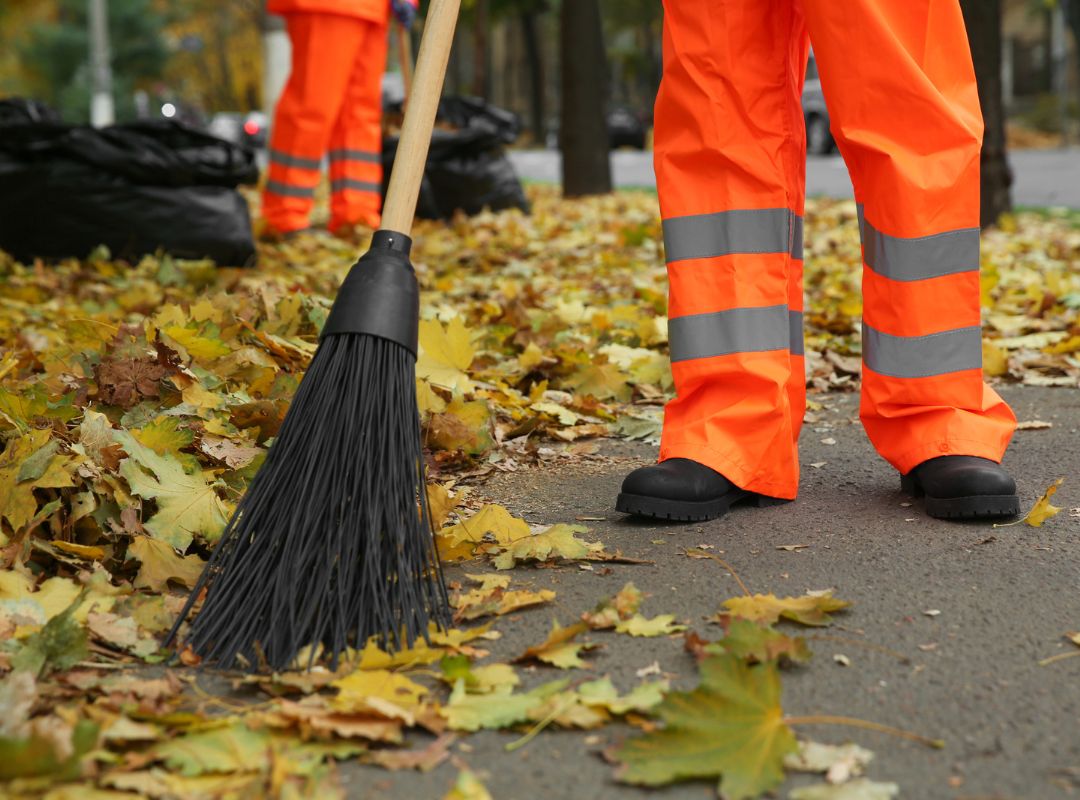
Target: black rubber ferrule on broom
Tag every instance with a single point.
(379, 296)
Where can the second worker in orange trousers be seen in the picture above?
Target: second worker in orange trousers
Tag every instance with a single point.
(730, 165)
(331, 107)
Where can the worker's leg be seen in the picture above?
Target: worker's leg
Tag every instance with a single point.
(901, 92)
(730, 147)
(324, 48)
(356, 142)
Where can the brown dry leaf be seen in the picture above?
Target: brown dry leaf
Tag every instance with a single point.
(312, 717)
(424, 760)
(610, 612)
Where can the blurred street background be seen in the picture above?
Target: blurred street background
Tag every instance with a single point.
(221, 66)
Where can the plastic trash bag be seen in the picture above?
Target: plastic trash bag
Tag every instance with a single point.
(467, 167)
(135, 188)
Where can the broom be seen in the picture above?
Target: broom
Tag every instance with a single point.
(332, 543)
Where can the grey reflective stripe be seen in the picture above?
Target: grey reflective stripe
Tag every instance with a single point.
(738, 330)
(340, 184)
(356, 155)
(285, 190)
(796, 237)
(920, 258)
(765, 230)
(287, 160)
(922, 356)
(795, 339)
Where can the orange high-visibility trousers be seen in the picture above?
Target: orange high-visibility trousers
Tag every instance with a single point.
(730, 164)
(331, 106)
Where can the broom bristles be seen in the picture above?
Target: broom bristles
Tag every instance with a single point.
(332, 543)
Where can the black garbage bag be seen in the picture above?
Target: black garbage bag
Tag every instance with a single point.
(136, 188)
(467, 168)
(23, 110)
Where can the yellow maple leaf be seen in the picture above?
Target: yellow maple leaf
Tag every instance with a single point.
(1042, 510)
(559, 649)
(186, 504)
(445, 354)
(199, 347)
(362, 690)
(28, 463)
(812, 609)
(491, 524)
(638, 625)
(995, 359)
(159, 563)
(558, 541)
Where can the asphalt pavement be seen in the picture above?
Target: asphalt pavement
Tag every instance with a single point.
(1041, 177)
(948, 625)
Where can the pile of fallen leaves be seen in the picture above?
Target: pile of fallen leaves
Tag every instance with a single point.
(137, 401)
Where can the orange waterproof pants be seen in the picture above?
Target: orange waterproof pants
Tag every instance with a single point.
(730, 166)
(331, 106)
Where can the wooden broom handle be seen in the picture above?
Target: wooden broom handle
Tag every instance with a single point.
(411, 158)
(404, 47)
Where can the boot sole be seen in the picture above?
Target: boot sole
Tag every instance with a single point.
(982, 506)
(689, 510)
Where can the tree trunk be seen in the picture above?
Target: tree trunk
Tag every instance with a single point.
(536, 75)
(583, 136)
(984, 19)
(481, 25)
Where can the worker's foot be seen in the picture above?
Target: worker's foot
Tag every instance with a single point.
(963, 487)
(682, 490)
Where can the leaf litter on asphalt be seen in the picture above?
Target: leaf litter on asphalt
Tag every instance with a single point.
(137, 402)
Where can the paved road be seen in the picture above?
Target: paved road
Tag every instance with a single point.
(1005, 597)
(1042, 177)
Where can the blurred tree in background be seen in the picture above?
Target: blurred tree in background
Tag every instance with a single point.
(218, 59)
(53, 54)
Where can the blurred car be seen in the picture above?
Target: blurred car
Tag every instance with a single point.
(250, 128)
(626, 128)
(819, 139)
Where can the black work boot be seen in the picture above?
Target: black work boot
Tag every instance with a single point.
(683, 490)
(963, 487)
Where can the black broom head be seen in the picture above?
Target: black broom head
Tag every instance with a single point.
(332, 542)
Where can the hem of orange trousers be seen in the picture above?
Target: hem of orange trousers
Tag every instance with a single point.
(910, 459)
(730, 467)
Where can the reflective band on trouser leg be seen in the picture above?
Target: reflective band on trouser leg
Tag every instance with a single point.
(356, 143)
(910, 130)
(729, 165)
(324, 47)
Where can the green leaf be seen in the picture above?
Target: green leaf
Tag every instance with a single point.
(498, 709)
(36, 754)
(186, 504)
(34, 467)
(235, 748)
(754, 642)
(731, 726)
(59, 645)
